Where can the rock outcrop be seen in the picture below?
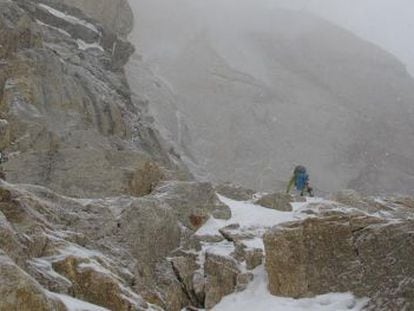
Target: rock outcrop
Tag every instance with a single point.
(71, 123)
(277, 201)
(192, 202)
(359, 249)
(21, 292)
(108, 252)
(222, 274)
(235, 192)
(99, 211)
(114, 14)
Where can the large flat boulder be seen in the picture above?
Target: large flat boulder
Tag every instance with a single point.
(369, 256)
(221, 278)
(151, 231)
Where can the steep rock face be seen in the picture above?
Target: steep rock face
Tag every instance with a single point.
(71, 123)
(150, 218)
(339, 251)
(114, 14)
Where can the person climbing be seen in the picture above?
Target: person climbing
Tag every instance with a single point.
(300, 179)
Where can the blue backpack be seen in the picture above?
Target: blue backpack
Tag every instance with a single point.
(301, 177)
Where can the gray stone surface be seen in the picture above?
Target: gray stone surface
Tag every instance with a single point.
(192, 202)
(235, 192)
(151, 231)
(71, 123)
(369, 256)
(222, 274)
(277, 201)
(114, 14)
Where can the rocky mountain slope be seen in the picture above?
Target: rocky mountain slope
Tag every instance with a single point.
(71, 122)
(182, 247)
(99, 212)
(269, 90)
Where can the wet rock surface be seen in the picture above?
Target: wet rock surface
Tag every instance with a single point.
(71, 122)
(345, 250)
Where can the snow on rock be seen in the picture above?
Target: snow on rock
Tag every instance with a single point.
(53, 27)
(248, 216)
(243, 235)
(69, 18)
(257, 297)
(223, 249)
(85, 46)
(73, 304)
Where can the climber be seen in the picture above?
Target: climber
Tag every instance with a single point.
(300, 179)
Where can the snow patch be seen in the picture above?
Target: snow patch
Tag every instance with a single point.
(257, 297)
(223, 249)
(86, 46)
(73, 304)
(69, 18)
(55, 28)
(248, 216)
(256, 219)
(45, 267)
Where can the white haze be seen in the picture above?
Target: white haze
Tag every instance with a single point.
(387, 23)
(229, 80)
(162, 25)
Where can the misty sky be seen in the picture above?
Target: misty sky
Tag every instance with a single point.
(387, 23)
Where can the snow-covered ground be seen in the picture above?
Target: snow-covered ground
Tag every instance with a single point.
(256, 219)
(253, 217)
(257, 297)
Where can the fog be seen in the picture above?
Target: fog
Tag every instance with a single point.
(388, 23)
(246, 89)
(163, 23)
